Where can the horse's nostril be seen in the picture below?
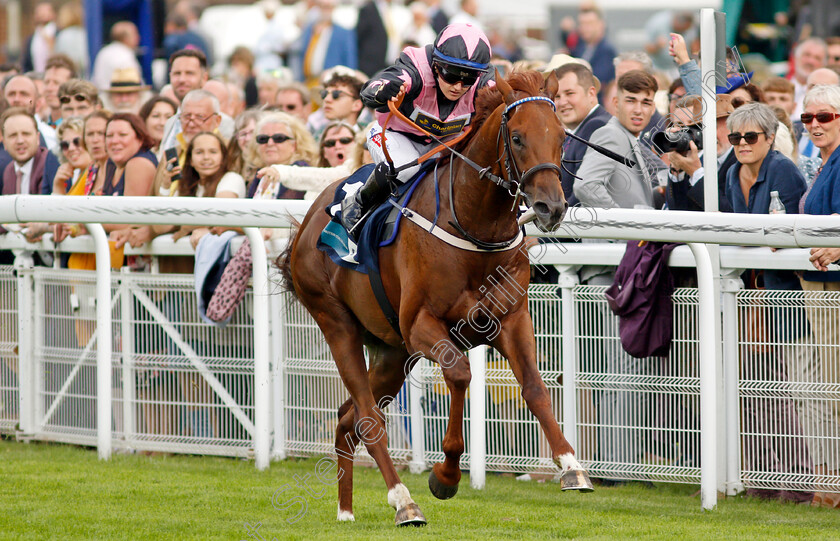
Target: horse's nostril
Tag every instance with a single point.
(541, 208)
(565, 206)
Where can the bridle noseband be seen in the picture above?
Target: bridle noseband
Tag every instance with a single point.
(517, 179)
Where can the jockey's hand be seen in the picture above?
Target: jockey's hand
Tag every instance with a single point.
(388, 91)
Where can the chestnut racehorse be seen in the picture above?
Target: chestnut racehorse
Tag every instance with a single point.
(448, 298)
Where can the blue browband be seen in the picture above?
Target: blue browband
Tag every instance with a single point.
(526, 100)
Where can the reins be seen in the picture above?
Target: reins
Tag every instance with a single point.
(515, 179)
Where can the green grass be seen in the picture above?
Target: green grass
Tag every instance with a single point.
(64, 492)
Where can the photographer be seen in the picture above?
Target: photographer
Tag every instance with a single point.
(685, 180)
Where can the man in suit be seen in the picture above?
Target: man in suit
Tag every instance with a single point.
(685, 182)
(605, 183)
(593, 45)
(324, 45)
(26, 171)
(577, 105)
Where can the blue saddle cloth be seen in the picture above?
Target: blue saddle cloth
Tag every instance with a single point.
(380, 229)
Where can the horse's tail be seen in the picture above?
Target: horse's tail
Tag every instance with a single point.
(284, 260)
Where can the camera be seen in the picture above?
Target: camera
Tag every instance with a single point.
(679, 141)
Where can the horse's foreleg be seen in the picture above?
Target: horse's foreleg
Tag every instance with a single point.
(516, 342)
(429, 336)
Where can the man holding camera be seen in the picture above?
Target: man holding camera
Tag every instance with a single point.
(685, 181)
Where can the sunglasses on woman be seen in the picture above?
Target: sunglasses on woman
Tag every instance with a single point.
(78, 97)
(452, 76)
(65, 145)
(822, 118)
(278, 138)
(329, 143)
(751, 137)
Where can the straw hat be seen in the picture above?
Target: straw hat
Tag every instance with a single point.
(559, 60)
(127, 80)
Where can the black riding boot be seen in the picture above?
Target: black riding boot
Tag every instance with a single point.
(372, 193)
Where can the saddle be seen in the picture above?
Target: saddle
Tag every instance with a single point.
(378, 229)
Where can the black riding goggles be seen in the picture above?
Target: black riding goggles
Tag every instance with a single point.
(452, 75)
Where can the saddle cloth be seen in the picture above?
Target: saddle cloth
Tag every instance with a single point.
(379, 229)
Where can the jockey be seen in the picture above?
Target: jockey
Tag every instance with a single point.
(440, 83)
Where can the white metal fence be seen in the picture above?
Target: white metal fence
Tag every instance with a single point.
(179, 385)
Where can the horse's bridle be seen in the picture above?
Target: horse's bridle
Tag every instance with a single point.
(515, 179)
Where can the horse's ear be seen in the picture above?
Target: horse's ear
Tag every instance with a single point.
(504, 88)
(551, 85)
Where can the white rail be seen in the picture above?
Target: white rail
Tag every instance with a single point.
(695, 228)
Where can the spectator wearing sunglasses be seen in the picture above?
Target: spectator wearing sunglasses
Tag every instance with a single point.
(821, 118)
(760, 171)
(440, 82)
(280, 139)
(338, 159)
(293, 98)
(77, 98)
(341, 101)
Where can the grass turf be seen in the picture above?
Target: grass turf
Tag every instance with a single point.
(65, 492)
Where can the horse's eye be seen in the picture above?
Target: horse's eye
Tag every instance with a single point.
(516, 140)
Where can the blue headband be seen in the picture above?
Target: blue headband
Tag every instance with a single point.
(460, 61)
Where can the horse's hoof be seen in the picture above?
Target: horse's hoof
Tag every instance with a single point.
(576, 480)
(410, 515)
(439, 490)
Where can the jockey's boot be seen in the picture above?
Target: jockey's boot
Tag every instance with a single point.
(372, 193)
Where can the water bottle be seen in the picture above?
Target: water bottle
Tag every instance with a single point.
(776, 205)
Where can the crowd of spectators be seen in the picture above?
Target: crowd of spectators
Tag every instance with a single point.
(286, 119)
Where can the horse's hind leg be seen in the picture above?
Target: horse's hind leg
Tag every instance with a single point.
(386, 376)
(516, 342)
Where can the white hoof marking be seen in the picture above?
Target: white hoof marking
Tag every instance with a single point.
(399, 497)
(345, 516)
(568, 462)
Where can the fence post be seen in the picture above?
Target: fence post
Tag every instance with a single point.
(709, 376)
(416, 417)
(127, 355)
(262, 384)
(279, 305)
(27, 389)
(568, 280)
(478, 416)
(731, 284)
(103, 339)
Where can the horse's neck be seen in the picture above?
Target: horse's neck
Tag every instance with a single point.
(484, 209)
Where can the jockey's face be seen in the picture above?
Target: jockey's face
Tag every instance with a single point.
(452, 92)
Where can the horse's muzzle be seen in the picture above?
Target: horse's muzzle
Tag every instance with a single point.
(550, 213)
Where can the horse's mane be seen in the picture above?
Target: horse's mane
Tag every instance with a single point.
(524, 83)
